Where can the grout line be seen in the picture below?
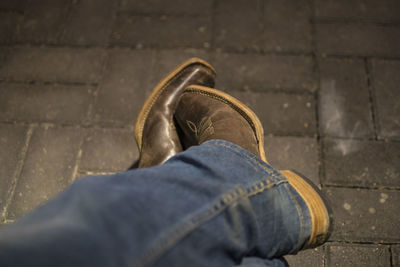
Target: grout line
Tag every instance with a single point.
(78, 160)
(356, 21)
(391, 257)
(316, 72)
(389, 188)
(349, 242)
(35, 82)
(368, 71)
(213, 25)
(17, 172)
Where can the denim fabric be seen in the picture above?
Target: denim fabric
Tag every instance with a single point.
(212, 205)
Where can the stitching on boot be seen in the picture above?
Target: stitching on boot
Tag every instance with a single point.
(203, 130)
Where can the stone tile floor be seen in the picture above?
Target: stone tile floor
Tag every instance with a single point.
(323, 76)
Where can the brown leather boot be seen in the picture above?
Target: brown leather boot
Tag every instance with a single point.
(155, 132)
(204, 114)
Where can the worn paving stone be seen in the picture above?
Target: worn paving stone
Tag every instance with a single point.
(396, 255)
(297, 153)
(47, 170)
(168, 60)
(361, 163)
(358, 39)
(310, 258)
(13, 5)
(379, 10)
(364, 215)
(108, 150)
(260, 72)
(174, 7)
(12, 139)
(125, 86)
(279, 112)
(385, 81)
(238, 25)
(89, 22)
(43, 21)
(162, 32)
(49, 103)
(344, 99)
(358, 255)
(287, 25)
(8, 26)
(73, 65)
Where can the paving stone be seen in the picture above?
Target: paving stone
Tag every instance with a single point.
(386, 80)
(49, 103)
(358, 255)
(8, 26)
(167, 60)
(43, 21)
(379, 10)
(361, 163)
(310, 258)
(89, 22)
(73, 65)
(47, 170)
(358, 39)
(258, 72)
(297, 153)
(125, 86)
(344, 99)
(280, 113)
(238, 25)
(162, 32)
(364, 215)
(12, 139)
(396, 255)
(108, 150)
(174, 7)
(13, 5)
(287, 25)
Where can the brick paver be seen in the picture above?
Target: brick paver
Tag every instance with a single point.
(44, 102)
(297, 153)
(361, 163)
(386, 80)
(125, 85)
(375, 10)
(12, 141)
(310, 258)
(295, 17)
(48, 168)
(73, 65)
(322, 75)
(358, 255)
(364, 215)
(358, 39)
(343, 83)
(258, 72)
(108, 150)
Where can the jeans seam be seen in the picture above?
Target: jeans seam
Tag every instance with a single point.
(203, 216)
(269, 169)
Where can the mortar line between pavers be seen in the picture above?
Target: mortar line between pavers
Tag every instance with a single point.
(316, 74)
(213, 15)
(77, 159)
(18, 171)
(356, 21)
(376, 188)
(391, 256)
(371, 96)
(38, 82)
(360, 139)
(339, 242)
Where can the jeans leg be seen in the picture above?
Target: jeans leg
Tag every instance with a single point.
(211, 205)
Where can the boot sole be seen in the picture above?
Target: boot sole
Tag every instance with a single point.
(318, 204)
(148, 104)
(241, 108)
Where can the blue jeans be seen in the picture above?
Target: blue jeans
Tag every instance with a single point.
(212, 205)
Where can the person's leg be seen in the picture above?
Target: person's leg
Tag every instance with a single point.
(211, 205)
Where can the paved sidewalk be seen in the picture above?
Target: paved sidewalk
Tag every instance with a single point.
(323, 76)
